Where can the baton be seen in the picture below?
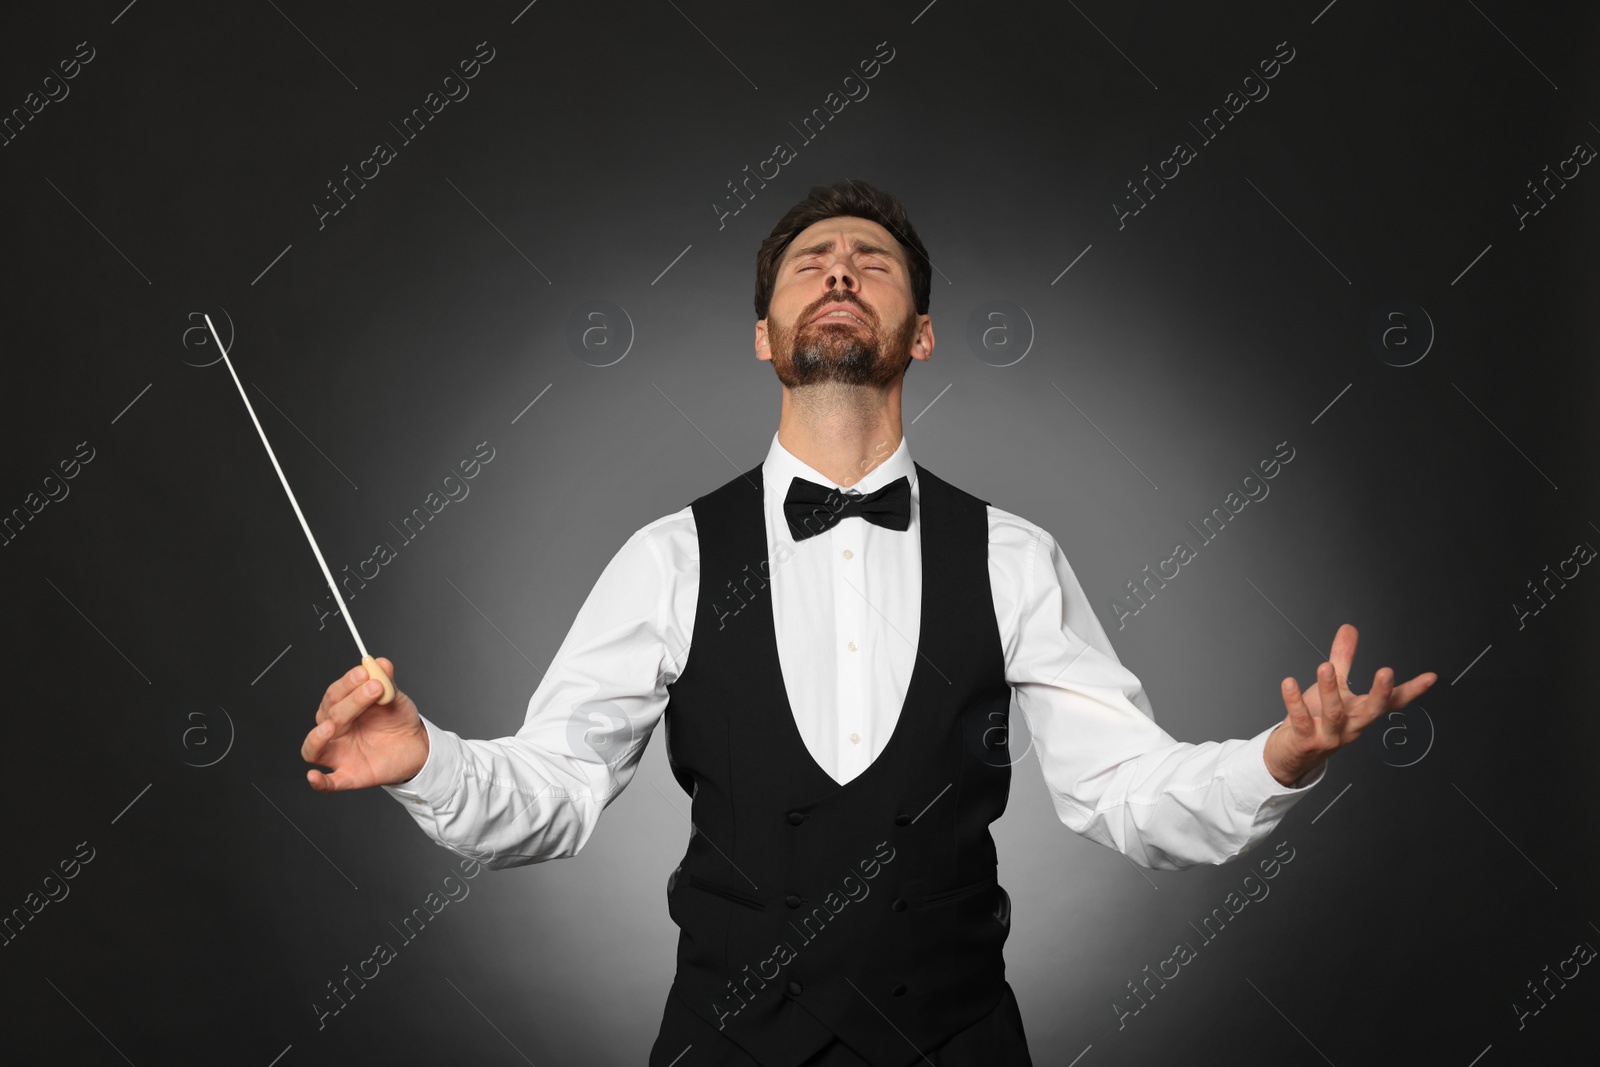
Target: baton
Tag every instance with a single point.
(374, 671)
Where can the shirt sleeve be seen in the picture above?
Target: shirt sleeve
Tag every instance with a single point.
(1114, 776)
(537, 795)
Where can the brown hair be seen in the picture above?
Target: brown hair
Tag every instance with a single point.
(855, 198)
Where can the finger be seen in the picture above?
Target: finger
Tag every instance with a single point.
(1343, 652)
(1333, 710)
(1405, 694)
(316, 743)
(1376, 702)
(329, 783)
(1300, 718)
(348, 710)
(340, 689)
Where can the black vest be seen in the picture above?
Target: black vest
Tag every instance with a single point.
(807, 909)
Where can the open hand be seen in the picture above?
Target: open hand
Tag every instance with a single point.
(1326, 718)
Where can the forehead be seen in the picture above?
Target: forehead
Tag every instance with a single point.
(844, 230)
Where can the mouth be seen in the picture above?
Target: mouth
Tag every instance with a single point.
(839, 314)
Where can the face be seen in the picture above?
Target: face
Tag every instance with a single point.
(842, 308)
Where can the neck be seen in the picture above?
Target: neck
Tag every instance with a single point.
(843, 431)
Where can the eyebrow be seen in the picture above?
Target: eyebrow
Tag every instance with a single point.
(864, 247)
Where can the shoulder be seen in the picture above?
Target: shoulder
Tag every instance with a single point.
(1016, 541)
(671, 540)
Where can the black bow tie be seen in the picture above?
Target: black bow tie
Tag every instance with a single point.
(811, 508)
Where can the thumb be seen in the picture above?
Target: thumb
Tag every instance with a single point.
(331, 783)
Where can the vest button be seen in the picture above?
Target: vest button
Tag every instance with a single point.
(796, 818)
(902, 820)
(898, 991)
(899, 904)
(795, 988)
(792, 900)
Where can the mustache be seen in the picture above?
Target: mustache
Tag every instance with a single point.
(850, 300)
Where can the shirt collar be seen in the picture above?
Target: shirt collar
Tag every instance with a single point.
(781, 466)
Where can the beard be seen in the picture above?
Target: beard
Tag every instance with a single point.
(840, 350)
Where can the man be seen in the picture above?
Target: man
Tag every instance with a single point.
(832, 639)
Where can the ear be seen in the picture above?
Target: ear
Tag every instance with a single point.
(922, 340)
(762, 352)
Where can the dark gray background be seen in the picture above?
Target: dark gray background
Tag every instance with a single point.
(1447, 858)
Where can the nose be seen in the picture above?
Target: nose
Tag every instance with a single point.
(840, 276)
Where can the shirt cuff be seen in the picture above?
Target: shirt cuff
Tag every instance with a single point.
(440, 776)
(1253, 786)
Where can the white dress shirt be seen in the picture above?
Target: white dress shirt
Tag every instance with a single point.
(846, 606)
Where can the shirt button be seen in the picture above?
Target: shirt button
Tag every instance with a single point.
(792, 900)
(849, 554)
(902, 820)
(851, 646)
(898, 991)
(855, 739)
(899, 905)
(796, 818)
(795, 989)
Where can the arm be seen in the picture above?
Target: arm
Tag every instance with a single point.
(1114, 776)
(537, 795)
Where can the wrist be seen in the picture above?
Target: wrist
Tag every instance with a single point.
(1284, 770)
